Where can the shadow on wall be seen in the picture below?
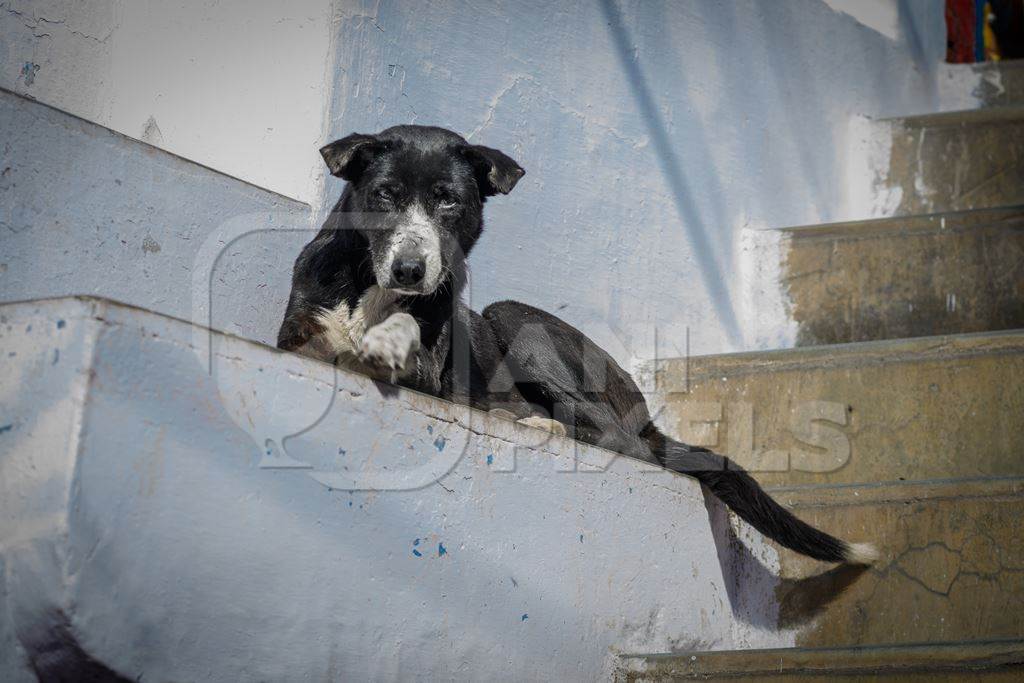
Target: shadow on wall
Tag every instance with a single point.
(797, 601)
(653, 134)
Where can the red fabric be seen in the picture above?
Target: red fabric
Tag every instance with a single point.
(960, 20)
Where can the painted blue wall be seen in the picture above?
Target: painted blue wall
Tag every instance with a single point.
(653, 134)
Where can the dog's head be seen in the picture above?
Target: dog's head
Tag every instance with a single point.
(416, 193)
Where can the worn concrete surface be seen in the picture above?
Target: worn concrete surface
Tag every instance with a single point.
(84, 210)
(952, 565)
(927, 408)
(905, 277)
(957, 160)
(178, 507)
(1001, 660)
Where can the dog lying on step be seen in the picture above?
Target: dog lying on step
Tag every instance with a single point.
(378, 290)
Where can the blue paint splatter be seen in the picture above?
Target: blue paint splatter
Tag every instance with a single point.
(415, 552)
(439, 443)
(490, 458)
(441, 550)
(6, 428)
(350, 503)
(60, 324)
(342, 451)
(430, 429)
(56, 356)
(524, 617)
(28, 72)
(581, 538)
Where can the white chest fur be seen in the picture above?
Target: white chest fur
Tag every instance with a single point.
(344, 327)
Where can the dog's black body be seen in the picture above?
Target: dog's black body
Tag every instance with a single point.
(379, 288)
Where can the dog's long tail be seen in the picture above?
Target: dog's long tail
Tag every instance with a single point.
(744, 496)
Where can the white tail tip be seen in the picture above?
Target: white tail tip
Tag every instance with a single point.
(861, 553)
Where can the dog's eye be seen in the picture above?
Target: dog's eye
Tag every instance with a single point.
(382, 194)
(447, 203)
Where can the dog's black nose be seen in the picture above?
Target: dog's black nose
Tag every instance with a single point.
(408, 272)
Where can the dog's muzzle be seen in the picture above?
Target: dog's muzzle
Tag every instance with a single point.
(412, 264)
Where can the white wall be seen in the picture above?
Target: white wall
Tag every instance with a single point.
(653, 135)
(237, 85)
(660, 139)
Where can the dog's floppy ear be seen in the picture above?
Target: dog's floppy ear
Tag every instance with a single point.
(495, 171)
(348, 157)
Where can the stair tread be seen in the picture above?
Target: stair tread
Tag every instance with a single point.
(942, 220)
(867, 659)
(911, 349)
(1010, 113)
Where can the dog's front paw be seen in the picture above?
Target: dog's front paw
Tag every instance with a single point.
(392, 344)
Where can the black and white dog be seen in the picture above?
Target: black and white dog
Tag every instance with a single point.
(378, 290)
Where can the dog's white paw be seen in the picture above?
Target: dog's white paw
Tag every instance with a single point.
(553, 426)
(392, 344)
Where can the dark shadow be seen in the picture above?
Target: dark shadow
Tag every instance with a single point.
(386, 389)
(704, 249)
(757, 596)
(56, 656)
(801, 600)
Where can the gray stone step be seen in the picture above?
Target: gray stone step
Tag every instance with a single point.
(905, 277)
(925, 408)
(86, 210)
(999, 660)
(956, 160)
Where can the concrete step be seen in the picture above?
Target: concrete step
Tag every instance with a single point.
(179, 505)
(905, 277)
(954, 161)
(952, 565)
(913, 409)
(1000, 660)
(86, 210)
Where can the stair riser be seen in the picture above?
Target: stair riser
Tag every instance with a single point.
(932, 408)
(952, 568)
(905, 278)
(949, 166)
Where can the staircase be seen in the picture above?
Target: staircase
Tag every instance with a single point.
(899, 418)
(186, 505)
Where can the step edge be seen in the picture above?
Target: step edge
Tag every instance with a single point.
(903, 657)
(900, 492)
(837, 356)
(151, 148)
(1000, 114)
(926, 221)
